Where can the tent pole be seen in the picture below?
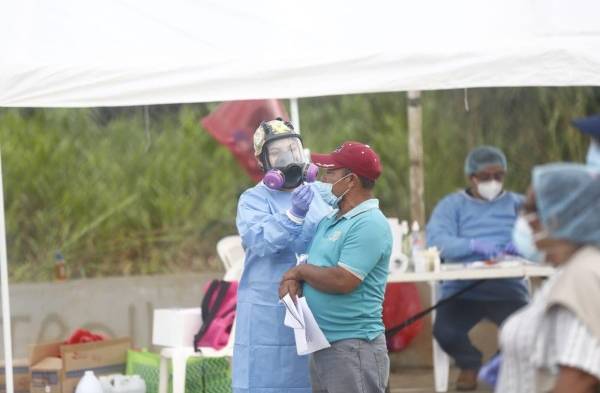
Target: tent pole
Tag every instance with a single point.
(295, 112)
(415, 153)
(8, 360)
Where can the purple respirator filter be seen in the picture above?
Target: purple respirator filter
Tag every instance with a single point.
(274, 179)
(310, 173)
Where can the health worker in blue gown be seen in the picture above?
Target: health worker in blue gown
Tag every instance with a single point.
(276, 220)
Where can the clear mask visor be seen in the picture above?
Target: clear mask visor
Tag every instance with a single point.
(285, 151)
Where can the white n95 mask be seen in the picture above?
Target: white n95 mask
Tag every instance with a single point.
(524, 241)
(593, 155)
(489, 189)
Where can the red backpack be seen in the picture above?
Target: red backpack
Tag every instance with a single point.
(400, 302)
(218, 314)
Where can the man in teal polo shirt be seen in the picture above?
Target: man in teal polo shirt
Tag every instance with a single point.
(344, 279)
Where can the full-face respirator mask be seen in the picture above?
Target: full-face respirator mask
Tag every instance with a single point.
(279, 149)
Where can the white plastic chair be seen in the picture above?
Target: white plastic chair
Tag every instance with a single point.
(179, 357)
(232, 255)
(398, 260)
(441, 360)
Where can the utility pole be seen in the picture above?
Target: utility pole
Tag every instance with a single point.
(415, 154)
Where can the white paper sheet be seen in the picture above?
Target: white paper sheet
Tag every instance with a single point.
(309, 337)
(293, 317)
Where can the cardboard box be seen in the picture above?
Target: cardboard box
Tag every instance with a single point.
(57, 368)
(45, 367)
(176, 327)
(46, 376)
(21, 379)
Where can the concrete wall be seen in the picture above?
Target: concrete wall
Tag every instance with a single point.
(117, 307)
(123, 306)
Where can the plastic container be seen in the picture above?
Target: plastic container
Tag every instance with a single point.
(417, 238)
(406, 249)
(417, 248)
(89, 384)
(118, 383)
(60, 269)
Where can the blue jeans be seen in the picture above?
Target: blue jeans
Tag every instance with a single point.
(456, 318)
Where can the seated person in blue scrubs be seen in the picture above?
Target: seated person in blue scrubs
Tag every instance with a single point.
(344, 279)
(475, 224)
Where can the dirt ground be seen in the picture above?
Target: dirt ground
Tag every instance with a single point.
(420, 380)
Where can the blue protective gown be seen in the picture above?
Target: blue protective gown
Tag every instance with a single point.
(264, 356)
(456, 220)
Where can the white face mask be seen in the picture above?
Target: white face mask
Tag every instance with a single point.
(489, 189)
(524, 241)
(593, 154)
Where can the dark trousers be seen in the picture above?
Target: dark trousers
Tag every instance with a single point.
(456, 318)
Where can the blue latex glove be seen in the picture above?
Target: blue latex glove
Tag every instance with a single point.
(510, 249)
(301, 198)
(490, 371)
(485, 248)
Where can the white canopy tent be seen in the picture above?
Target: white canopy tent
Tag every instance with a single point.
(72, 53)
(69, 53)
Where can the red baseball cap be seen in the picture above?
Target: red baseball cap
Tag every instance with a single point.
(355, 156)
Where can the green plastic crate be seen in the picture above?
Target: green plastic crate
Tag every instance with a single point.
(203, 375)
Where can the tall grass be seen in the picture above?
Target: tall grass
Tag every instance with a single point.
(113, 203)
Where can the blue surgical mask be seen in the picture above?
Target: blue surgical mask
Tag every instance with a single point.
(324, 189)
(339, 199)
(524, 241)
(593, 154)
(326, 192)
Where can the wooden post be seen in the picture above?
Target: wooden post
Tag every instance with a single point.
(415, 154)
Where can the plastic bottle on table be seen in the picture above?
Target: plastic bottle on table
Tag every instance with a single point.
(89, 384)
(417, 247)
(404, 231)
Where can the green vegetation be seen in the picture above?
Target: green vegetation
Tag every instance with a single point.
(120, 197)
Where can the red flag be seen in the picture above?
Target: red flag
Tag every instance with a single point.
(233, 124)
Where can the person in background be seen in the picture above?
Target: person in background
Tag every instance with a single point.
(276, 223)
(553, 344)
(591, 126)
(344, 279)
(472, 225)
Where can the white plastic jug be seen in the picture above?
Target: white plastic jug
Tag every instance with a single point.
(89, 384)
(118, 383)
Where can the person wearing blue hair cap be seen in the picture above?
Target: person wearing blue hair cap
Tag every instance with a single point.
(591, 126)
(553, 344)
(475, 224)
